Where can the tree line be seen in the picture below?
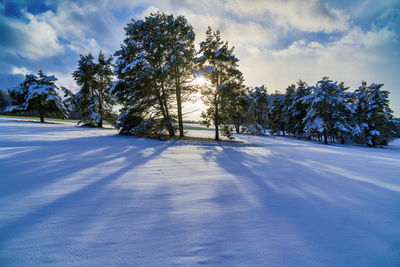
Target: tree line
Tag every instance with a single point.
(152, 75)
(326, 112)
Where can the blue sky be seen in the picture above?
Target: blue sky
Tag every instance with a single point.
(277, 42)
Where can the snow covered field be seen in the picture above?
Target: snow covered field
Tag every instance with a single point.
(72, 196)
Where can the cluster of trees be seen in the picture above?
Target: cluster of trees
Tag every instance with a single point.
(153, 76)
(155, 68)
(40, 95)
(327, 111)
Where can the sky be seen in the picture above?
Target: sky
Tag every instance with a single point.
(277, 42)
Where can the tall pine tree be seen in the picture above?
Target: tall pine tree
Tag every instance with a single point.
(144, 65)
(373, 114)
(94, 100)
(219, 65)
(298, 109)
(180, 56)
(277, 115)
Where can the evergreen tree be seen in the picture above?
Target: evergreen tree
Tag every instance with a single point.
(85, 78)
(258, 102)
(180, 57)
(94, 100)
(344, 126)
(39, 94)
(298, 109)
(326, 115)
(232, 109)
(373, 114)
(219, 65)
(277, 115)
(236, 108)
(4, 102)
(288, 101)
(396, 127)
(143, 68)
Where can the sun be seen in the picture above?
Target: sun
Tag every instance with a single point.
(200, 81)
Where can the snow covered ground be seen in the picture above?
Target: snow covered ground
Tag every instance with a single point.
(72, 196)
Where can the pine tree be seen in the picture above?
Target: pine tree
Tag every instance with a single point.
(85, 78)
(181, 54)
(219, 65)
(3, 101)
(298, 109)
(342, 115)
(236, 108)
(373, 114)
(327, 112)
(38, 94)
(94, 100)
(277, 114)
(288, 101)
(143, 68)
(258, 102)
(233, 107)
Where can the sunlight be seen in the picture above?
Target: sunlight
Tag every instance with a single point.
(200, 81)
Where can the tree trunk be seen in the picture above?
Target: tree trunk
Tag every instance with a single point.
(216, 132)
(41, 116)
(170, 128)
(325, 138)
(179, 106)
(216, 119)
(100, 124)
(161, 105)
(237, 127)
(168, 119)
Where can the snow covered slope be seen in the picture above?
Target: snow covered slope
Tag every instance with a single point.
(72, 196)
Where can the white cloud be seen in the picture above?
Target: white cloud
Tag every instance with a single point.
(148, 11)
(359, 55)
(246, 36)
(85, 46)
(305, 15)
(66, 80)
(16, 70)
(32, 39)
(87, 27)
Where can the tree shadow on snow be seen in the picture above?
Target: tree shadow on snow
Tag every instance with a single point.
(61, 165)
(309, 210)
(275, 203)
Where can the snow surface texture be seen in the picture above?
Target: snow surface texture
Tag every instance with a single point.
(74, 196)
